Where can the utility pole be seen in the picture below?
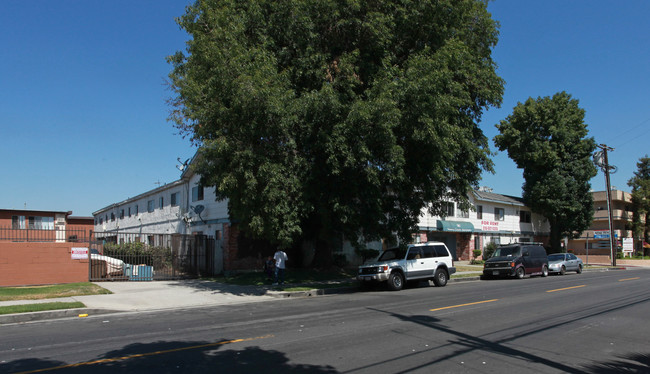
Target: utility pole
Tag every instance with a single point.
(604, 165)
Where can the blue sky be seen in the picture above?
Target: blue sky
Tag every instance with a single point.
(83, 113)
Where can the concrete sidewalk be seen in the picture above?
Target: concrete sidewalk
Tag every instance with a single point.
(148, 296)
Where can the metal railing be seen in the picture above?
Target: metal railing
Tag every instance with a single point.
(145, 257)
(69, 234)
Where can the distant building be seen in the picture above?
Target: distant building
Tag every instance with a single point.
(595, 240)
(495, 218)
(43, 225)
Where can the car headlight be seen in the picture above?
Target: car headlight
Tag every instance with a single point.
(383, 269)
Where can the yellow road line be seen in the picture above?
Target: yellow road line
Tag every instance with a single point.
(458, 306)
(628, 279)
(568, 288)
(146, 354)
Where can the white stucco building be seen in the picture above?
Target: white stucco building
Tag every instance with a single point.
(494, 218)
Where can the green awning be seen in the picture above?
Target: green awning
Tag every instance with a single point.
(455, 226)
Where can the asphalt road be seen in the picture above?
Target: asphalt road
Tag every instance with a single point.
(595, 322)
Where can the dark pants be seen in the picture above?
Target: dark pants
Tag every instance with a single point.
(279, 275)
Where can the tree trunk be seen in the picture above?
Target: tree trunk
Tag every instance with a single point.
(556, 238)
(322, 255)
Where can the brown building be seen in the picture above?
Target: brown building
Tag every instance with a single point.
(595, 240)
(42, 225)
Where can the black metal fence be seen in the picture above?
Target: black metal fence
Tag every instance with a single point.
(45, 235)
(145, 257)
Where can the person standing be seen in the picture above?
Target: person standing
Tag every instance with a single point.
(280, 258)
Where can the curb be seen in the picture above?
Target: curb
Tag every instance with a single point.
(52, 314)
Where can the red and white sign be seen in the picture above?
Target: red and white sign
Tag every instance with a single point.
(79, 253)
(490, 225)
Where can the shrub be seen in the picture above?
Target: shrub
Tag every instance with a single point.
(477, 252)
(489, 250)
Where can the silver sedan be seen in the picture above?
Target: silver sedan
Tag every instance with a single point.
(562, 262)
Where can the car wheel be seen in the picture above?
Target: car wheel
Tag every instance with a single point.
(579, 269)
(440, 279)
(563, 270)
(396, 281)
(520, 272)
(544, 271)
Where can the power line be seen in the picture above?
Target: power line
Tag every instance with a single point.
(630, 139)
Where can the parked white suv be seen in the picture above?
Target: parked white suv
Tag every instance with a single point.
(430, 260)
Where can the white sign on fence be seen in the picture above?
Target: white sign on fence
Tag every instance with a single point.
(79, 253)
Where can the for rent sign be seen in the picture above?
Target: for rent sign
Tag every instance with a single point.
(79, 253)
(490, 225)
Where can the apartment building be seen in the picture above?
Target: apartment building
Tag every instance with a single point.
(595, 240)
(495, 218)
(43, 225)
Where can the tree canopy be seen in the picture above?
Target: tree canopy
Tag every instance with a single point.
(640, 184)
(547, 138)
(330, 119)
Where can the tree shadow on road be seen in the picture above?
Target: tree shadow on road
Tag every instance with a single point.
(175, 357)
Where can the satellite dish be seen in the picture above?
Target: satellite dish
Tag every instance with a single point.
(198, 209)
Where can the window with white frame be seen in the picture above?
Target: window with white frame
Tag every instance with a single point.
(499, 214)
(161, 202)
(197, 193)
(524, 216)
(449, 209)
(18, 222)
(479, 211)
(41, 223)
(174, 199)
(150, 206)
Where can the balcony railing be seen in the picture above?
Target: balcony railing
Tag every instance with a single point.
(40, 235)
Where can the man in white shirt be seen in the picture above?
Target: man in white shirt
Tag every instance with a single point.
(280, 264)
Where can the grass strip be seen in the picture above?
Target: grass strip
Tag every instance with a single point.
(51, 291)
(39, 307)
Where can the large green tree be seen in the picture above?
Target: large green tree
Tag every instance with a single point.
(640, 184)
(329, 119)
(547, 138)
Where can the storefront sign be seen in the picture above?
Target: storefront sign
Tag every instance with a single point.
(601, 234)
(79, 253)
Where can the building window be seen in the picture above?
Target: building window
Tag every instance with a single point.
(449, 209)
(129, 211)
(41, 223)
(174, 199)
(462, 213)
(499, 214)
(18, 222)
(112, 217)
(524, 216)
(479, 211)
(197, 193)
(101, 220)
(137, 210)
(150, 206)
(121, 213)
(161, 202)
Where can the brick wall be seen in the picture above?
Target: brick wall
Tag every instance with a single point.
(24, 264)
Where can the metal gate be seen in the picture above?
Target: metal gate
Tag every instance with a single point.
(147, 257)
